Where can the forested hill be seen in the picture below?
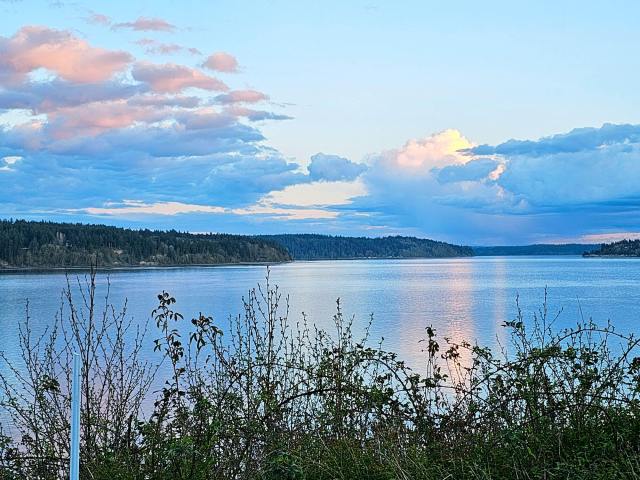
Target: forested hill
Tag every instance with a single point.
(326, 247)
(26, 244)
(623, 248)
(536, 249)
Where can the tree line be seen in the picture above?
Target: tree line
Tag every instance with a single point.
(26, 244)
(623, 248)
(327, 247)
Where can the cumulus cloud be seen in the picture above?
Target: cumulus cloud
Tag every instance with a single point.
(221, 62)
(69, 57)
(146, 24)
(334, 168)
(577, 140)
(438, 150)
(173, 78)
(471, 171)
(43, 97)
(581, 182)
(104, 127)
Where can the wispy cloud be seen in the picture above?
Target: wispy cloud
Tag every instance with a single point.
(146, 24)
(154, 47)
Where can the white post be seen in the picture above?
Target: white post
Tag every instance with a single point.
(74, 462)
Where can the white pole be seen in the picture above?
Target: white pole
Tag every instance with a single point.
(74, 463)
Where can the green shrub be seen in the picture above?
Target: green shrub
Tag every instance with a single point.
(271, 399)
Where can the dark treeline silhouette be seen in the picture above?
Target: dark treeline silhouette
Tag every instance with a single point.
(623, 248)
(327, 247)
(536, 249)
(26, 244)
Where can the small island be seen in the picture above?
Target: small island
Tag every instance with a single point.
(622, 248)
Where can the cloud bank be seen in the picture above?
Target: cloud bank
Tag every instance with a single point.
(88, 132)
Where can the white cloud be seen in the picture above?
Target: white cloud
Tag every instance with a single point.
(317, 194)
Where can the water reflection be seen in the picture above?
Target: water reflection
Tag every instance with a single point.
(464, 299)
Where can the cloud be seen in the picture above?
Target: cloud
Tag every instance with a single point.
(577, 140)
(333, 168)
(221, 62)
(94, 132)
(146, 24)
(607, 237)
(317, 194)
(71, 58)
(136, 207)
(99, 19)
(173, 78)
(43, 97)
(438, 150)
(153, 47)
(470, 171)
(241, 96)
(256, 115)
(579, 184)
(7, 162)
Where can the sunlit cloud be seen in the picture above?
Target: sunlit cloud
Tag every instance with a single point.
(73, 59)
(317, 194)
(607, 237)
(173, 78)
(136, 207)
(221, 62)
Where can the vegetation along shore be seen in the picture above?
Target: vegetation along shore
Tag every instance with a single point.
(264, 396)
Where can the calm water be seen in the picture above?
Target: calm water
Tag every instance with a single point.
(463, 298)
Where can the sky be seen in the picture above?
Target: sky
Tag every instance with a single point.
(478, 123)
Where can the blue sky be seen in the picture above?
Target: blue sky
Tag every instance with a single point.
(363, 118)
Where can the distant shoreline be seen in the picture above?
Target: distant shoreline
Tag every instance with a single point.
(136, 267)
(80, 268)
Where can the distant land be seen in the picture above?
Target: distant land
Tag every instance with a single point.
(41, 245)
(327, 247)
(536, 249)
(623, 248)
(25, 244)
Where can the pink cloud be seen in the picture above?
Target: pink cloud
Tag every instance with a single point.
(172, 78)
(165, 101)
(71, 58)
(242, 96)
(435, 151)
(147, 24)
(99, 117)
(221, 62)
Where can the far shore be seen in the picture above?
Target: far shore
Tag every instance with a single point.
(79, 268)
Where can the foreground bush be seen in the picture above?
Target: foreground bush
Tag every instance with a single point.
(272, 399)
